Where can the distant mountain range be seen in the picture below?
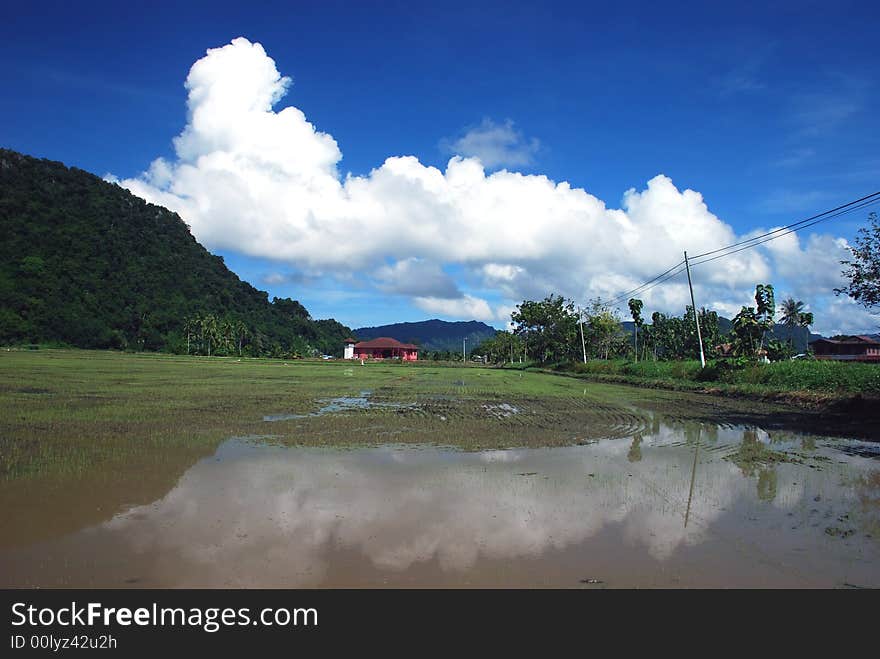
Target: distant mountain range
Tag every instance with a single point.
(432, 334)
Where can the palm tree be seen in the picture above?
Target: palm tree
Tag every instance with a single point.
(791, 312)
(793, 316)
(188, 326)
(241, 332)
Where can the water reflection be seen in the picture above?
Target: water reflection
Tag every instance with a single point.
(688, 505)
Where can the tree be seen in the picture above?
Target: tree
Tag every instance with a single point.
(794, 317)
(863, 271)
(119, 272)
(603, 332)
(548, 328)
(751, 324)
(502, 347)
(189, 325)
(241, 333)
(747, 331)
(766, 309)
(635, 308)
(710, 332)
(667, 335)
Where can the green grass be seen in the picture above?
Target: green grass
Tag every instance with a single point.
(65, 412)
(786, 376)
(125, 420)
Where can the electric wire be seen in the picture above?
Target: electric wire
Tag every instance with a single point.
(721, 252)
(780, 235)
(869, 199)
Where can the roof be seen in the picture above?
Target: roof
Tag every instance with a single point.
(386, 342)
(849, 341)
(349, 340)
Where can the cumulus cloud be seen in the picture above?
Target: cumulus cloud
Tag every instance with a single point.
(416, 277)
(264, 182)
(467, 306)
(495, 145)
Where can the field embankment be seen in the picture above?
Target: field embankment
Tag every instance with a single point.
(849, 390)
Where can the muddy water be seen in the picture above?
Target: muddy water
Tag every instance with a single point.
(687, 505)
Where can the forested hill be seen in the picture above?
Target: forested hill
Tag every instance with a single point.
(432, 334)
(84, 262)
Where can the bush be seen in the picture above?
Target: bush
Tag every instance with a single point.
(796, 375)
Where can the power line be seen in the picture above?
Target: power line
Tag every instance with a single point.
(844, 209)
(679, 268)
(639, 288)
(873, 197)
(779, 235)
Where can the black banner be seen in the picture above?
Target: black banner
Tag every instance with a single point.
(129, 623)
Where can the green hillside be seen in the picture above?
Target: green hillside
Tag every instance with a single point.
(85, 263)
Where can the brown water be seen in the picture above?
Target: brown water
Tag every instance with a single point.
(686, 506)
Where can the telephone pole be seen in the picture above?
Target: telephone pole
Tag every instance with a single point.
(464, 350)
(581, 325)
(694, 307)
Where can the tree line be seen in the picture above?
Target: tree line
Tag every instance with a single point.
(554, 330)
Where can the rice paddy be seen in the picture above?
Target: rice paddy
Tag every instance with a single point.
(178, 469)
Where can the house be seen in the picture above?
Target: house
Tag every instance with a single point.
(724, 350)
(348, 353)
(382, 348)
(847, 348)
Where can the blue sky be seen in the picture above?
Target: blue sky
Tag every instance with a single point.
(768, 112)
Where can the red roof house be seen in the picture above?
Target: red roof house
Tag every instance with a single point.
(385, 348)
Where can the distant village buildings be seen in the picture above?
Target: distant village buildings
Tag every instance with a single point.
(852, 348)
(381, 348)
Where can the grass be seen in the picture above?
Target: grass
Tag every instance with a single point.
(64, 411)
(120, 429)
(72, 414)
(826, 377)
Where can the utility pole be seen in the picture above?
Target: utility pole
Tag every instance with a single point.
(464, 350)
(581, 325)
(694, 306)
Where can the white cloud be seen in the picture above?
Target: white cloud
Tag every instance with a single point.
(495, 145)
(265, 183)
(416, 277)
(466, 306)
(845, 316)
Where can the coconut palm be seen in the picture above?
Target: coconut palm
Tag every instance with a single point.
(791, 312)
(794, 316)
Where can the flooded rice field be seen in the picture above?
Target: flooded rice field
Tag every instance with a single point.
(436, 479)
(685, 506)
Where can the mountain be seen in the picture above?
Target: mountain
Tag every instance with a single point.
(433, 334)
(85, 263)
